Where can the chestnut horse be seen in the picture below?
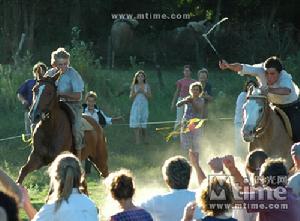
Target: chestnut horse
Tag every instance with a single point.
(264, 128)
(53, 133)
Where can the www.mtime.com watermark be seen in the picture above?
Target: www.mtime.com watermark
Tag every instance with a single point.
(151, 16)
(247, 197)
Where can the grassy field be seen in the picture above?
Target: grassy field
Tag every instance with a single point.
(144, 160)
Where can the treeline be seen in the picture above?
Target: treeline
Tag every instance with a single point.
(255, 29)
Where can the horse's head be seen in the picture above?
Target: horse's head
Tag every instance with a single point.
(254, 110)
(44, 98)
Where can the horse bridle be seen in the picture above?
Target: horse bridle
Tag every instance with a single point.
(260, 127)
(46, 113)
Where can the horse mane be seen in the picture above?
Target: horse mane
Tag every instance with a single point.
(256, 93)
(48, 80)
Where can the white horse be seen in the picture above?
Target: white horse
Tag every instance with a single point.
(264, 128)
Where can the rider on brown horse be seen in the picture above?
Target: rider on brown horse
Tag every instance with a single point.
(69, 89)
(278, 84)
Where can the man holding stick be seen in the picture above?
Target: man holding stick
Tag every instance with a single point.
(277, 84)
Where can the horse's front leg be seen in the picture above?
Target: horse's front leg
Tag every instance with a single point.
(34, 162)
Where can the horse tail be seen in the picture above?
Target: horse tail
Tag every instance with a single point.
(101, 151)
(98, 152)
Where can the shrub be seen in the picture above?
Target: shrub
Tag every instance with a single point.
(11, 77)
(82, 57)
(255, 41)
(291, 64)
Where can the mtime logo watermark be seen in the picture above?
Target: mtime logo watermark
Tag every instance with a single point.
(151, 16)
(246, 197)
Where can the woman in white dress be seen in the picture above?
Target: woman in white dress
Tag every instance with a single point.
(140, 93)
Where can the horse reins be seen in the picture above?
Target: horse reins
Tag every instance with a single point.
(260, 128)
(46, 114)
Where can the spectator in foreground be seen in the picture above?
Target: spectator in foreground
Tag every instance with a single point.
(170, 206)
(294, 180)
(9, 210)
(65, 200)
(273, 176)
(254, 161)
(122, 188)
(223, 198)
(10, 198)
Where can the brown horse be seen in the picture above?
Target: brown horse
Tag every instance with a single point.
(264, 129)
(53, 133)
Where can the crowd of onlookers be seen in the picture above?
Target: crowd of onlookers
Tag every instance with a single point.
(268, 191)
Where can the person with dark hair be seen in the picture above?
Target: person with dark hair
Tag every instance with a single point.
(273, 182)
(176, 173)
(224, 200)
(294, 180)
(9, 208)
(182, 91)
(66, 200)
(240, 145)
(207, 89)
(25, 95)
(253, 163)
(275, 175)
(274, 168)
(278, 86)
(254, 160)
(3, 216)
(122, 189)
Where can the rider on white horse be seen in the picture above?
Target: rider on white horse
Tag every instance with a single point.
(278, 85)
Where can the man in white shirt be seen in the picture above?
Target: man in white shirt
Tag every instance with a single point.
(170, 206)
(278, 84)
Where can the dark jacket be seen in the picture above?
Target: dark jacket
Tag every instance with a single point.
(102, 120)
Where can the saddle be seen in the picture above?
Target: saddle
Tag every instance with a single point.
(85, 125)
(285, 120)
